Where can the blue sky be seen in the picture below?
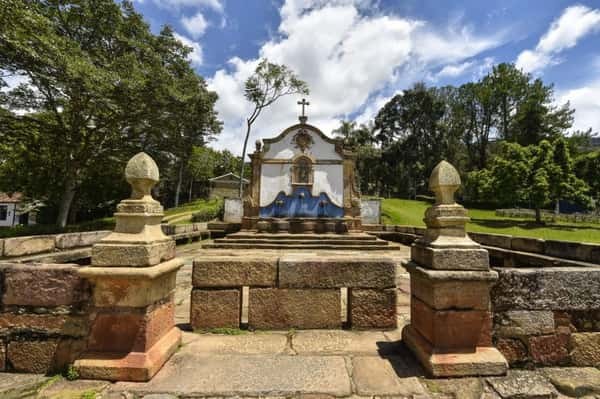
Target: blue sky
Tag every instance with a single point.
(356, 54)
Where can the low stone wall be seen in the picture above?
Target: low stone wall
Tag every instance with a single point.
(64, 247)
(293, 292)
(43, 316)
(548, 316)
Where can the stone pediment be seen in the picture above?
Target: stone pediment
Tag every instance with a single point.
(302, 139)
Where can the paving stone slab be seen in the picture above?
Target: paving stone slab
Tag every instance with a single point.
(522, 384)
(14, 386)
(575, 381)
(464, 388)
(373, 375)
(339, 342)
(247, 344)
(189, 374)
(64, 389)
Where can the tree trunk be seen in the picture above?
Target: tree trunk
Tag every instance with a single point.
(241, 191)
(190, 192)
(65, 202)
(538, 215)
(557, 207)
(179, 182)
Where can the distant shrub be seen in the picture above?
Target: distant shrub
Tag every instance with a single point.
(210, 212)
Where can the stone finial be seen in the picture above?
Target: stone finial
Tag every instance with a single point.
(444, 182)
(141, 173)
(258, 145)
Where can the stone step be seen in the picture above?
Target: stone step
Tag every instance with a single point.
(333, 246)
(299, 241)
(288, 236)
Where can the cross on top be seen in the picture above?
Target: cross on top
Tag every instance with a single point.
(303, 118)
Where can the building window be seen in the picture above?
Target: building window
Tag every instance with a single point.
(302, 173)
(3, 212)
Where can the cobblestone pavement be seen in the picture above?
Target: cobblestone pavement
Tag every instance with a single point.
(307, 364)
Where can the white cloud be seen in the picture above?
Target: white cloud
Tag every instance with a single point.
(574, 23)
(195, 56)
(586, 102)
(454, 70)
(352, 63)
(195, 25)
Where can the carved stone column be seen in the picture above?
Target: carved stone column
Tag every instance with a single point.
(451, 320)
(251, 198)
(133, 273)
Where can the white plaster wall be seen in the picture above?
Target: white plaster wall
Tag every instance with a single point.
(234, 210)
(329, 179)
(286, 149)
(274, 178)
(370, 211)
(10, 216)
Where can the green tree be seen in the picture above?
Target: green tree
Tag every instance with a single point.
(99, 88)
(269, 83)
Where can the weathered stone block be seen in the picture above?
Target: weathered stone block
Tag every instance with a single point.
(215, 309)
(336, 272)
(518, 323)
(272, 308)
(570, 250)
(492, 240)
(2, 356)
(131, 331)
(449, 329)
(576, 288)
(132, 255)
(235, 271)
(32, 356)
(513, 350)
(470, 292)
(585, 349)
(45, 285)
(372, 309)
(74, 240)
(525, 244)
(450, 258)
(233, 210)
(575, 382)
(549, 350)
(66, 325)
(20, 246)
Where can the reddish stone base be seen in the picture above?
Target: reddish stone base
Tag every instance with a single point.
(132, 366)
(482, 361)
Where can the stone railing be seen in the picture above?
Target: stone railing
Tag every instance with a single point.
(507, 250)
(44, 316)
(293, 291)
(77, 247)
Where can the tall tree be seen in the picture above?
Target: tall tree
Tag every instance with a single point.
(268, 84)
(99, 88)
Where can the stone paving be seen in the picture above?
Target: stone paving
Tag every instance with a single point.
(307, 364)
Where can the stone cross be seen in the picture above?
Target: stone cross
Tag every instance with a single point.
(303, 118)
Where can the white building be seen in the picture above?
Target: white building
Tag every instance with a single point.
(13, 211)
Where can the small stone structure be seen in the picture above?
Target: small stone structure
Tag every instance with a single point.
(293, 291)
(226, 186)
(233, 210)
(132, 332)
(451, 323)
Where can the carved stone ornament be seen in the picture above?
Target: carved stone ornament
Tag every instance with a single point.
(303, 140)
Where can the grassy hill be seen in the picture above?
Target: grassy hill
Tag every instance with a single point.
(409, 212)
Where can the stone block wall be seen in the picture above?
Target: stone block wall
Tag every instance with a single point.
(548, 316)
(293, 292)
(43, 316)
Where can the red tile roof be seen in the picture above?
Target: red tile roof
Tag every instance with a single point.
(14, 198)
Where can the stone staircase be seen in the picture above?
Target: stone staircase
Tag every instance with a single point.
(349, 241)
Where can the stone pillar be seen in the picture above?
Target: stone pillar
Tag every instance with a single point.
(133, 273)
(451, 320)
(251, 199)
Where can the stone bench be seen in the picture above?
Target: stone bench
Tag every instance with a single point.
(293, 291)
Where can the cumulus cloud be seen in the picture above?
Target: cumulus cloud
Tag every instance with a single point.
(195, 25)
(195, 56)
(348, 58)
(454, 70)
(574, 23)
(586, 102)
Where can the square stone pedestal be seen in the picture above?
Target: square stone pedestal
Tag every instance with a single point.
(133, 329)
(480, 361)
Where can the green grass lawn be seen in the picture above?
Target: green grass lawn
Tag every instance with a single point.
(409, 212)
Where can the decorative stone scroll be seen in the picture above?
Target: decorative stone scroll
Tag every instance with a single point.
(133, 273)
(451, 322)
